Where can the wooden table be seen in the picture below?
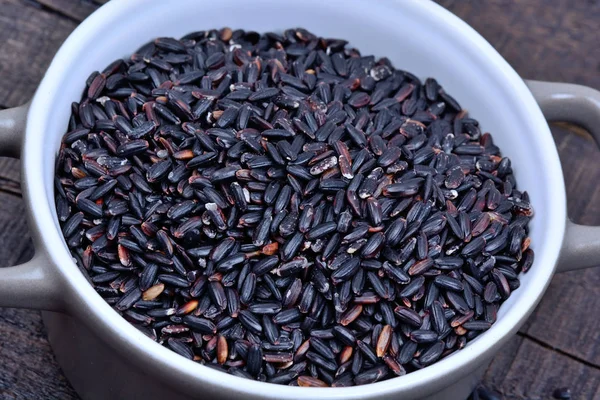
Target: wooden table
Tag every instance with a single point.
(555, 40)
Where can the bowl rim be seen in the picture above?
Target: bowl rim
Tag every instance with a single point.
(91, 309)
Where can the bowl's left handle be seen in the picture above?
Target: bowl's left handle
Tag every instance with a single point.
(32, 284)
(581, 105)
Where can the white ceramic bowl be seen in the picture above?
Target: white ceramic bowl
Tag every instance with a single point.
(103, 355)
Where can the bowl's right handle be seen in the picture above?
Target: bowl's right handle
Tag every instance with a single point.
(579, 105)
(32, 284)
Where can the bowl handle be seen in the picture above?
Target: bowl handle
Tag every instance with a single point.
(579, 105)
(32, 284)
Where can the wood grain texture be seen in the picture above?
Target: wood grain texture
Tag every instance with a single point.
(553, 40)
(564, 317)
(28, 369)
(77, 10)
(29, 38)
(536, 371)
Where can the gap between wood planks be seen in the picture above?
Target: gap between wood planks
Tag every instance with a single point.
(73, 10)
(11, 187)
(559, 351)
(49, 10)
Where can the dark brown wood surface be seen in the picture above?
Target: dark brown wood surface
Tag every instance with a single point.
(555, 40)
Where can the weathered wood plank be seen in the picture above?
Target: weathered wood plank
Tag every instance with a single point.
(565, 318)
(29, 37)
(546, 40)
(76, 10)
(28, 368)
(501, 364)
(15, 244)
(526, 370)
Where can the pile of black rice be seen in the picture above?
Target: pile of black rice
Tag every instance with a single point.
(284, 209)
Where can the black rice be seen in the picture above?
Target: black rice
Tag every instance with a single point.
(282, 208)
